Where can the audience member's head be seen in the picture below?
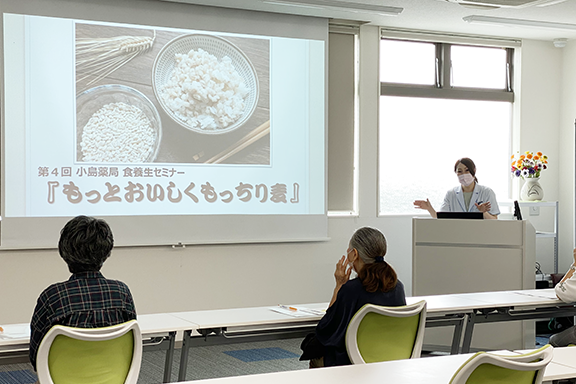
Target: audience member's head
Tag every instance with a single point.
(85, 243)
(370, 243)
(376, 274)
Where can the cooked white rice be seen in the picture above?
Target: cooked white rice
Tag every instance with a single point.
(204, 92)
(118, 133)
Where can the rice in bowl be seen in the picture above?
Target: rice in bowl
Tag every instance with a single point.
(203, 92)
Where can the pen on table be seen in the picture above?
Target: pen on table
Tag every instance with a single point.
(287, 307)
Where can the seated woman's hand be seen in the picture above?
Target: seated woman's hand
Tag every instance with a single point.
(343, 271)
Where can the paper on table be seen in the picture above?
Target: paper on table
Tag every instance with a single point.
(315, 312)
(17, 331)
(298, 311)
(544, 295)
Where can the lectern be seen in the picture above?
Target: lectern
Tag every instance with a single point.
(462, 256)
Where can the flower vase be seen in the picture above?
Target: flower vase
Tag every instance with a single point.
(531, 190)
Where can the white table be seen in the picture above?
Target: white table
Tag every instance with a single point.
(518, 305)
(160, 328)
(14, 340)
(426, 370)
(224, 326)
(157, 329)
(261, 323)
(236, 325)
(564, 364)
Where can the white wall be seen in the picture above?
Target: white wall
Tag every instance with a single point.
(163, 279)
(566, 149)
(538, 100)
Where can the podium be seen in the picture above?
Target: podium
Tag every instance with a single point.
(463, 256)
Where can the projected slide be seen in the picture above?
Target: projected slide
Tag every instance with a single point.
(114, 119)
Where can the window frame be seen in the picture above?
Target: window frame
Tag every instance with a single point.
(442, 89)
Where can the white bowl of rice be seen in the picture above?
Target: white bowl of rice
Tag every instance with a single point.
(116, 124)
(205, 83)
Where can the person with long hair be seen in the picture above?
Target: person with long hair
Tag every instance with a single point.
(377, 283)
(469, 196)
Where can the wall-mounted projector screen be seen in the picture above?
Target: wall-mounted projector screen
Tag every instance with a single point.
(180, 130)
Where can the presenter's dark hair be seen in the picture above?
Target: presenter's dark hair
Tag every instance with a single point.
(85, 243)
(469, 164)
(375, 275)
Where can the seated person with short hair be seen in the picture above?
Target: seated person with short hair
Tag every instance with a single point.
(87, 299)
(566, 291)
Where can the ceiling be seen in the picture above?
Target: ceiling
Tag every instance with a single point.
(429, 15)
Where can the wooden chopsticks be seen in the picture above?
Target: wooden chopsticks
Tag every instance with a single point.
(244, 142)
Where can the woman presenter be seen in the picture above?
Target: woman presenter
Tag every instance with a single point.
(469, 196)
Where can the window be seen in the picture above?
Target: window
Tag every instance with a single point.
(478, 67)
(407, 62)
(425, 126)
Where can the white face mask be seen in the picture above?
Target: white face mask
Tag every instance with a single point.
(466, 179)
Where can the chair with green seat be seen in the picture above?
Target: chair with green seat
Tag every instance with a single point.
(491, 368)
(378, 333)
(109, 355)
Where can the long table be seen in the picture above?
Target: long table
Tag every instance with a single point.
(210, 327)
(158, 331)
(428, 370)
(263, 323)
(462, 311)
(531, 304)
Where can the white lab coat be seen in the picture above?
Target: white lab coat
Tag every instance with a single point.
(566, 291)
(454, 200)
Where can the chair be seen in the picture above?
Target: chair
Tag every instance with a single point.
(378, 333)
(110, 355)
(490, 368)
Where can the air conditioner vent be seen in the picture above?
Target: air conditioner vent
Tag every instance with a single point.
(506, 3)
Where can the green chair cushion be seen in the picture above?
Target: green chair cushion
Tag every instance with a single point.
(385, 338)
(492, 374)
(74, 361)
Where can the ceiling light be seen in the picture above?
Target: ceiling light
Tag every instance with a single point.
(478, 19)
(340, 6)
(515, 4)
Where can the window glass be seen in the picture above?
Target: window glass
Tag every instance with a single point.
(407, 62)
(478, 67)
(421, 139)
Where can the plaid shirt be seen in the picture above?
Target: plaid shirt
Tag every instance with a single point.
(86, 300)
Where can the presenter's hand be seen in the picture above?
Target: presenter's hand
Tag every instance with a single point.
(423, 204)
(484, 207)
(343, 271)
(574, 254)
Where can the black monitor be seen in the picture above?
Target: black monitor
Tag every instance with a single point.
(460, 215)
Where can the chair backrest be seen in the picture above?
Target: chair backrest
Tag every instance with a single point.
(378, 333)
(491, 368)
(109, 355)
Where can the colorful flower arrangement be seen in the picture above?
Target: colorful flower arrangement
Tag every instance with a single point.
(529, 165)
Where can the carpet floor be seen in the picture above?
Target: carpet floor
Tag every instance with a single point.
(203, 362)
